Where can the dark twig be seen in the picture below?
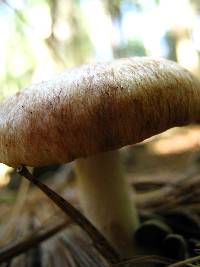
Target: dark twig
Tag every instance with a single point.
(21, 247)
(98, 239)
(186, 262)
(143, 259)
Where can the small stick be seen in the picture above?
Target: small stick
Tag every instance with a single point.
(143, 259)
(98, 239)
(185, 262)
(16, 249)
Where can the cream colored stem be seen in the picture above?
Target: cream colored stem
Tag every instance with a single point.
(104, 197)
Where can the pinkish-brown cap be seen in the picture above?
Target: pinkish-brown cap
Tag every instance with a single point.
(95, 108)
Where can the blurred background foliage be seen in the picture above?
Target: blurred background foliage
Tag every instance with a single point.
(39, 38)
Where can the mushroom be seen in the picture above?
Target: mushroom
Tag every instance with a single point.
(87, 113)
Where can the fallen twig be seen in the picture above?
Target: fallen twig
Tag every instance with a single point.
(98, 239)
(16, 249)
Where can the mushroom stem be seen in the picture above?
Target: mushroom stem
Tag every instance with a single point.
(105, 199)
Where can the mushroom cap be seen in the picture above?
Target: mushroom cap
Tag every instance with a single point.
(95, 108)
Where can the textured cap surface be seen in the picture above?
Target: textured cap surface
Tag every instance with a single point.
(95, 108)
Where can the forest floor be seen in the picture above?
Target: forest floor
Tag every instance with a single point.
(165, 173)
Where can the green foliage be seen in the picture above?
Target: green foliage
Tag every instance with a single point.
(26, 43)
(135, 47)
(19, 61)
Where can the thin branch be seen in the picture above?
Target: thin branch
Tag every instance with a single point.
(143, 259)
(185, 262)
(98, 239)
(21, 247)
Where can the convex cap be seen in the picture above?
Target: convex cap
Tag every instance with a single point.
(95, 108)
